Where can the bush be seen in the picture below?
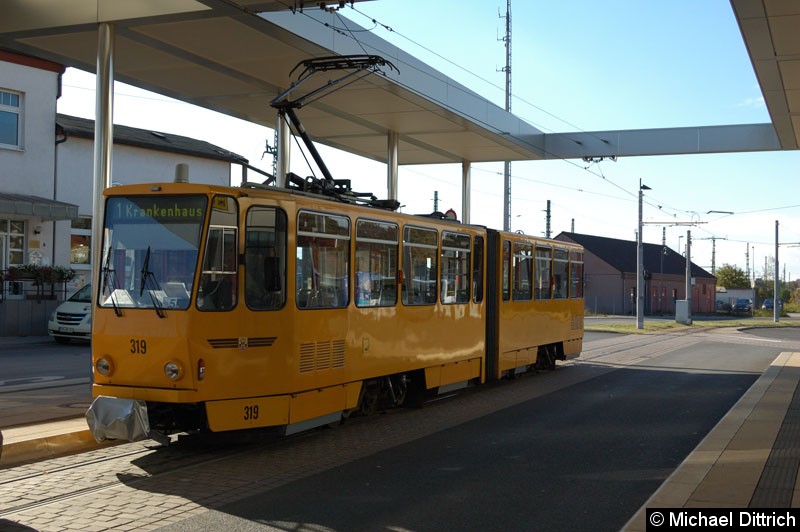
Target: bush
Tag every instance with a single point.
(40, 274)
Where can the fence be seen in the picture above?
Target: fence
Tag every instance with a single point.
(26, 305)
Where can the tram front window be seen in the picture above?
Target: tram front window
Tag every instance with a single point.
(150, 251)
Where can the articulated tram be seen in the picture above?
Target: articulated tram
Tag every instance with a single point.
(221, 309)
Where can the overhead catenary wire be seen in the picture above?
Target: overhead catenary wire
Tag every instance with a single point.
(680, 215)
(389, 28)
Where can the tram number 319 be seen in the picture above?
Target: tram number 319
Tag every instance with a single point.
(138, 346)
(250, 412)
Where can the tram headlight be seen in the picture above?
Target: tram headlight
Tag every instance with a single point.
(201, 369)
(173, 370)
(104, 366)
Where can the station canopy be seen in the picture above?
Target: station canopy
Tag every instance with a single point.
(234, 56)
(770, 32)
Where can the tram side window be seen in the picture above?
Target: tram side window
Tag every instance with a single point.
(523, 272)
(376, 264)
(265, 258)
(420, 250)
(506, 270)
(576, 274)
(218, 279)
(543, 286)
(323, 260)
(477, 270)
(455, 268)
(560, 274)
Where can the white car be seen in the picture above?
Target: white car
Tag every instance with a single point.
(72, 318)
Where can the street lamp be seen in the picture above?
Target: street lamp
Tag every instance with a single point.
(639, 264)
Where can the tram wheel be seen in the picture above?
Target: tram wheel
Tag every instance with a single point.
(368, 403)
(546, 358)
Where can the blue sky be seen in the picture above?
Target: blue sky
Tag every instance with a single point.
(577, 65)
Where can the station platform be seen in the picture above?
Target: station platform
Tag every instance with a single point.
(750, 458)
(45, 440)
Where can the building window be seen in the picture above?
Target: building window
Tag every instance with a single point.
(12, 243)
(10, 111)
(16, 242)
(80, 251)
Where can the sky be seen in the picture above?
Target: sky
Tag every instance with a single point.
(577, 65)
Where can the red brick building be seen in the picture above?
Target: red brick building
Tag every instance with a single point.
(610, 277)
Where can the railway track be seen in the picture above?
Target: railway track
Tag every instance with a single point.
(62, 479)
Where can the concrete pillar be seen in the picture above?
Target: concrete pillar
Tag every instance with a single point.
(284, 151)
(466, 188)
(392, 165)
(103, 141)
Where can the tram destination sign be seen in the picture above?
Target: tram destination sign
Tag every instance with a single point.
(149, 209)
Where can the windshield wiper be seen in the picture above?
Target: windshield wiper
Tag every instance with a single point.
(147, 274)
(145, 271)
(109, 280)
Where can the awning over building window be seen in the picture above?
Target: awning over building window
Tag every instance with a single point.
(46, 209)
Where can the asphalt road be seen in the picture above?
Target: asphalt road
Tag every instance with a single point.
(42, 382)
(44, 362)
(584, 457)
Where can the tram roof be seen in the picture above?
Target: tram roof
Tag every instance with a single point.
(234, 56)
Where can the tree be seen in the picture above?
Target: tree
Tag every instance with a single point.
(732, 277)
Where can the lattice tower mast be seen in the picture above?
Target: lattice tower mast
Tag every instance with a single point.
(507, 164)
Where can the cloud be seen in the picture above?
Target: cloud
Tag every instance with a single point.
(755, 103)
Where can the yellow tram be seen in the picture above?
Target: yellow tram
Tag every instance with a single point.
(234, 308)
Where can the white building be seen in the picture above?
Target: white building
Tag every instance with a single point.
(28, 91)
(46, 182)
(140, 156)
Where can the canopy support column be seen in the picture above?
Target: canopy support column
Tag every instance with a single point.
(466, 187)
(284, 150)
(392, 165)
(103, 141)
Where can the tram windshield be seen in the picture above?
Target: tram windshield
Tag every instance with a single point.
(150, 251)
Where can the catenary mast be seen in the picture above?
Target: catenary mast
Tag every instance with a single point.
(507, 164)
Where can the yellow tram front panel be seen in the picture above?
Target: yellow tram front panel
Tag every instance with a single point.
(139, 349)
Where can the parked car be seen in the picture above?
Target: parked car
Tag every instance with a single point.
(72, 318)
(769, 304)
(743, 305)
